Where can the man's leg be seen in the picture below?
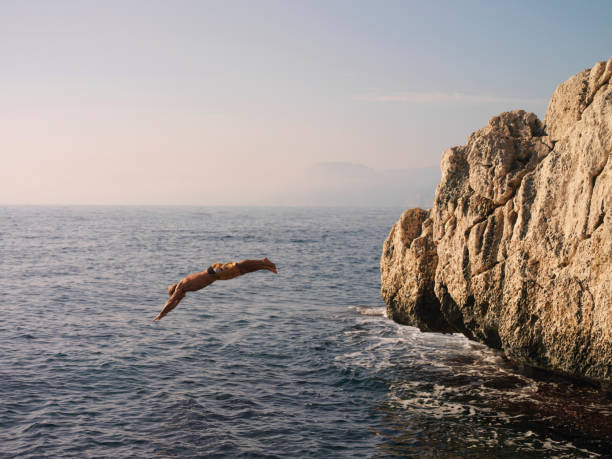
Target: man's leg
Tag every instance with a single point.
(248, 266)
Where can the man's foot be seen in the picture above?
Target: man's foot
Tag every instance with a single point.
(270, 266)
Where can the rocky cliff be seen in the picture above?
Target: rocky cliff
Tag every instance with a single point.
(516, 250)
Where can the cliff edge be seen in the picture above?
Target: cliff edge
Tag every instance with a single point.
(515, 252)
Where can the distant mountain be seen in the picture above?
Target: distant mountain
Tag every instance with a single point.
(350, 184)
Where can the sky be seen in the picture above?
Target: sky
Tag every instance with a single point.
(268, 102)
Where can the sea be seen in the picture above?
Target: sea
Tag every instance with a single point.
(300, 364)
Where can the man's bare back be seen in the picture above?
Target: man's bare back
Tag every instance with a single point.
(217, 271)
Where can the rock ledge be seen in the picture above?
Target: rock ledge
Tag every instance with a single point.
(515, 252)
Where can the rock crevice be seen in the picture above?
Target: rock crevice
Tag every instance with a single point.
(515, 251)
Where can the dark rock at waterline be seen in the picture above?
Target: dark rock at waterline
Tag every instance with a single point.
(515, 252)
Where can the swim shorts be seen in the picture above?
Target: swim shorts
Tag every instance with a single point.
(224, 271)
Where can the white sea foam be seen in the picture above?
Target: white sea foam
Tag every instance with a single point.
(369, 310)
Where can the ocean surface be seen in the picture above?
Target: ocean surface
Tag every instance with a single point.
(299, 364)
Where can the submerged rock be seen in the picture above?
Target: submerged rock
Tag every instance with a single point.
(515, 252)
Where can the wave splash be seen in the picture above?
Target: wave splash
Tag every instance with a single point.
(376, 311)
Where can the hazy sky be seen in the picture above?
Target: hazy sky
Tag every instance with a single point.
(230, 102)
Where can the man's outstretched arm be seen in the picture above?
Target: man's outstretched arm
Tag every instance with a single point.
(172, 302)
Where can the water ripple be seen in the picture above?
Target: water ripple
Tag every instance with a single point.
(300, 364)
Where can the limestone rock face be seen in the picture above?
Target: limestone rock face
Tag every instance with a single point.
(409, 262)
(516, 250)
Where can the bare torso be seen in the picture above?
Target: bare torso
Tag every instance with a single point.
(196, 281)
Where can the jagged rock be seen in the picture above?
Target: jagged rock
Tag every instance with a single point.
(409, 261)
(515, 252)
(572, 97)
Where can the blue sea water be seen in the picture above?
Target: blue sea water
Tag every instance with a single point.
(299, 364)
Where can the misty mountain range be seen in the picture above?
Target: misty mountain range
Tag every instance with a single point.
(349, 184)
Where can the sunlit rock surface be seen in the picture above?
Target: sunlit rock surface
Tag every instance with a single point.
(515, 252)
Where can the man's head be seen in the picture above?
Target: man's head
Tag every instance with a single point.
(171, 289)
